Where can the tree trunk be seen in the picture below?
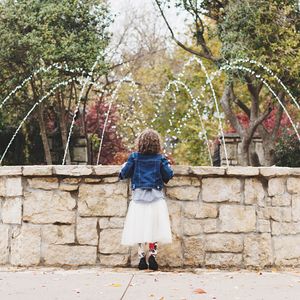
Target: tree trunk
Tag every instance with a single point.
(244, 155)
(269, 153)
(63, 127)
(43, 134)
(41, 121)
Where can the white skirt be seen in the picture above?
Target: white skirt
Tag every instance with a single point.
(147, 222)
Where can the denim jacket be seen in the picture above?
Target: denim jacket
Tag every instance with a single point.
(147, 171)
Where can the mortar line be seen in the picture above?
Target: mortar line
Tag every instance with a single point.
(122, 297)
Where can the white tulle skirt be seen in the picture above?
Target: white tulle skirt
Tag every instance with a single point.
(147, 222)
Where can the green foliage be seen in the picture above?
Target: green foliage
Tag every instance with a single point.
(287, 151)
(36, 34)
(267, 31)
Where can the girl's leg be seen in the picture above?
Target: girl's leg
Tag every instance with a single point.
(141, 251)
(142, 256)
(152, 254)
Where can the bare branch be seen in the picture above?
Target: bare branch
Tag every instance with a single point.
(240, 104)
(188, 49)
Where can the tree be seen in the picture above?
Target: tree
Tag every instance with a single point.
(266, 31)
(112, 143)
(36, 34)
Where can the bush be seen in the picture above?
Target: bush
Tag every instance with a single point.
(287, 150)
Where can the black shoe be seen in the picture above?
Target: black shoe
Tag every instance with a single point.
(142, 264)
(152, 263)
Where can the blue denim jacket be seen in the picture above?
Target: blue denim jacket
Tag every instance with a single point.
(147, 171)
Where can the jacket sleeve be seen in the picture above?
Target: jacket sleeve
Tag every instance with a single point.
(127, 168)
(166, 170)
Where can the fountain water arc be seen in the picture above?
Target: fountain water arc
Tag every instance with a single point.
(77, 107)
(40, 70)
(64, 83)
(269, 88)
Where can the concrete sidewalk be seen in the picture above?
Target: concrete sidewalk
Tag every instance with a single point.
(131, 284)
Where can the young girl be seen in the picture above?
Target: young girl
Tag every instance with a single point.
(147, 220)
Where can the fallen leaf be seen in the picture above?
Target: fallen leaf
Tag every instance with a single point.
(116, 284)
(199, 291)
(162, 298)
(151, 295)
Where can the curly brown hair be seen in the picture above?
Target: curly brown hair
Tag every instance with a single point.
(148, 142)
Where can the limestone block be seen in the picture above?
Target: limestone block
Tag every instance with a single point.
(224, 243)
(263, 226)
(4, 251)
(112, 222)
(223, 259)
(280, 214)
(107, 170)
(175, 213)
(26, 245)
(110, 242)
(78, 170)
(193, 251)
(44, 183)
(103, 199)
(184, 181)
(221, 189)
(274, 171)
(286, 247)
(296, 207)
(58, 234)
(70, 180)
(69, 184)
(114, 260)
(243, 171)
(254, 192)
(202, 171)
(12, 210)
(2, 186)
(192, 227)
(134, 258)
(92, 180)
(200, 210)
(14, 186)
(49, 207)
(10, 170)
(258, 250)
(170, 254)
(236, 218)
(281, 200)
(181, 170)
(60, 255)
(209, 225)
(68, 187)
(276, 186)
(37, 170)
(183, 193)
(279, 228)
(110, 179)
(293, 185)
(86, 231)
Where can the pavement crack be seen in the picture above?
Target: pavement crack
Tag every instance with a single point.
(122, 297)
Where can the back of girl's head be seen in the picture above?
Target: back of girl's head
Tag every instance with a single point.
(148, 142)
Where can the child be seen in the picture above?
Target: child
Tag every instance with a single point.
(147, 220)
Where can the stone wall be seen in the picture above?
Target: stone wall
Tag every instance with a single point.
(221, 217)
